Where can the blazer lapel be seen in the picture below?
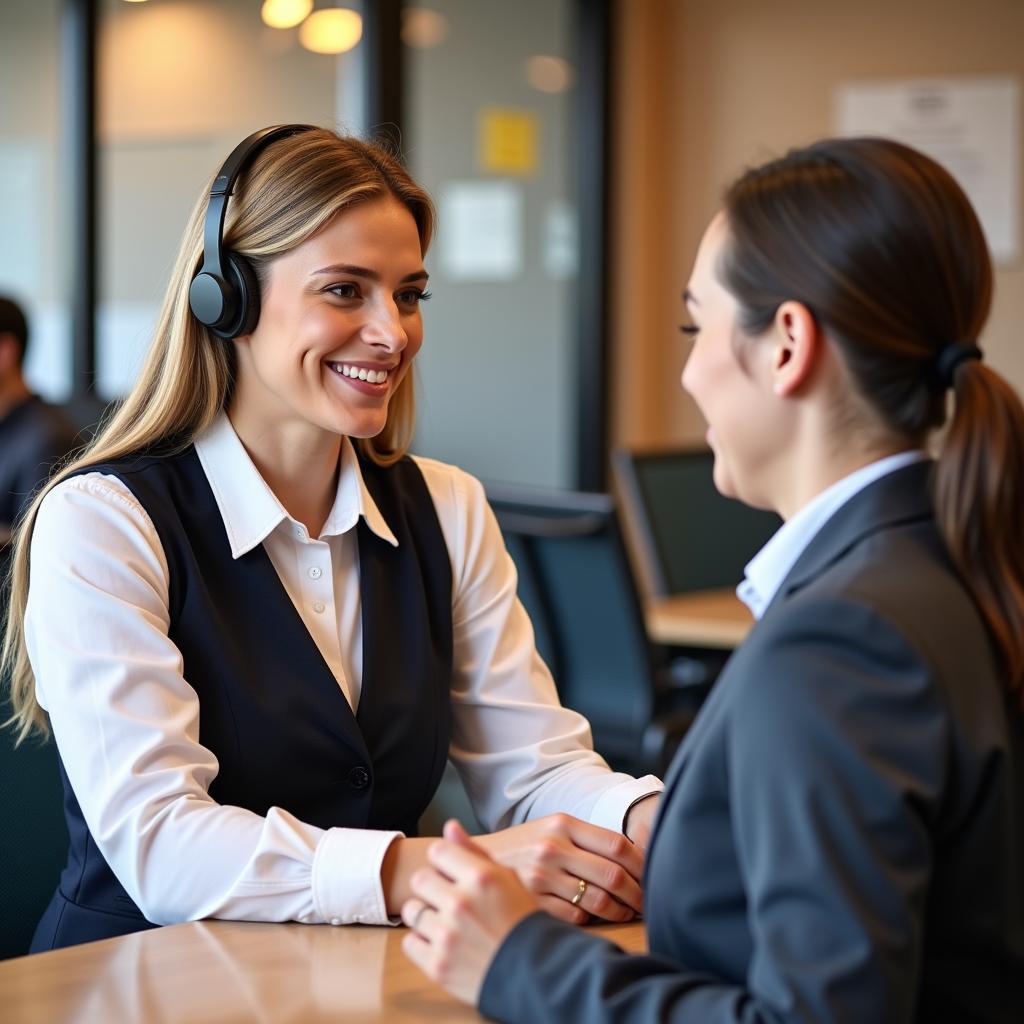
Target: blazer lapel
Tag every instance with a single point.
(903, 496)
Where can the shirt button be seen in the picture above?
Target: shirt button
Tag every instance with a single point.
(318, 606)
(300, 532)
(315, 573)
(335, 920)
(359, 778)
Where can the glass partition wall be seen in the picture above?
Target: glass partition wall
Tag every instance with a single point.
(31, 211)
(180, 83)
(489, 132)
(485, 100)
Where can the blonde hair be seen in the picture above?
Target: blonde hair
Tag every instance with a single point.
(292, 189)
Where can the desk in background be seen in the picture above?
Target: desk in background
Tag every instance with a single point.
(237, 971)
(704, 618)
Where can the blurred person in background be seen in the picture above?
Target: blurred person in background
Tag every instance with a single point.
(33, 434)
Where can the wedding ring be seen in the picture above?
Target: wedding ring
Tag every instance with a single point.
(580, 892)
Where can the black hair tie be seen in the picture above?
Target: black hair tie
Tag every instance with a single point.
(952, 356)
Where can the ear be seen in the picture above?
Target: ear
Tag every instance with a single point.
(797, 348)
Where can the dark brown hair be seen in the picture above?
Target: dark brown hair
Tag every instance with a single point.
(884, 249)
(12, 321)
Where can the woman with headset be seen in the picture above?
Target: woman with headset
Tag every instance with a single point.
(258, 629)
(841, 836)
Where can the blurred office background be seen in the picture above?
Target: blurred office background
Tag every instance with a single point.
(576, 149)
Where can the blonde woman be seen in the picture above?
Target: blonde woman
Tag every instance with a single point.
(258, 629)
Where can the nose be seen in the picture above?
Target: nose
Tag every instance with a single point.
(686, 377)
(383, 327)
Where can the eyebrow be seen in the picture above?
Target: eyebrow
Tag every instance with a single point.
(372, 275)
(689, 298)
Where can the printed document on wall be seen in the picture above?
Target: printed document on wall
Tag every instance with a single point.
(480, 233)
(971, 125)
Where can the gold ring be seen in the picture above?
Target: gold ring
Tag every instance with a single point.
(580, 892)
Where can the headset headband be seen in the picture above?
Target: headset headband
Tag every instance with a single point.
(212, 294)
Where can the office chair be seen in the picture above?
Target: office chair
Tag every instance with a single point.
(687, 535)
(578, 588)
(33, 837)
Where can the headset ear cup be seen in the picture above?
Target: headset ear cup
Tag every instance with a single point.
(209, 298)
(247, 293)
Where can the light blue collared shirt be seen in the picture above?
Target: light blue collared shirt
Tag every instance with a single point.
(765, 572)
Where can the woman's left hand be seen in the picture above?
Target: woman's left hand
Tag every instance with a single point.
(463, 909)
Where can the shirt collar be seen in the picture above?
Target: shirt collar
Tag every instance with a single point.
(765, 572)
(250, 509)
(353, 500)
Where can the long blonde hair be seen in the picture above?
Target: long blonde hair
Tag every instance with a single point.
(292, 189)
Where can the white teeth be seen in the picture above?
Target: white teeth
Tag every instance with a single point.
(361, 373)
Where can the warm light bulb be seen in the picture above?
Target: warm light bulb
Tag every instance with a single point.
(549, 74)
(285, 13)
(333, 30)
(423, 28)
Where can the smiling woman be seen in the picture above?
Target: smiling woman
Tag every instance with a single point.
(339, 327)
(277, 624)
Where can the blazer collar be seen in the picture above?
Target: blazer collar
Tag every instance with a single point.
(902, 496)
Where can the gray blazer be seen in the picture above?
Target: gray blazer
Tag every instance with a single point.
(841, 836)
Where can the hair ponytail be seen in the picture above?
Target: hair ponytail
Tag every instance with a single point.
(979, 506)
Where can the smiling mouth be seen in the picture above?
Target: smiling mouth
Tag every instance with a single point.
(360, 373)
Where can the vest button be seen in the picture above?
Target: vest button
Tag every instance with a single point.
(359, 778)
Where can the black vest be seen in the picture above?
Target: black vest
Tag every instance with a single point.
(270, 708)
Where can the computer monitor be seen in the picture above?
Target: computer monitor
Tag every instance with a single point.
(689, 536)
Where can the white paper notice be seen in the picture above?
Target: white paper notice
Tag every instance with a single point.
(480, 233)
(561, 240)
(969, 125)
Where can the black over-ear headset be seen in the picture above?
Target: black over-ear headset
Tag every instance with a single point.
(225, 295)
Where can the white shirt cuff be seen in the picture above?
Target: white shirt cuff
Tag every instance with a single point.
(346, 875)
(610, 810)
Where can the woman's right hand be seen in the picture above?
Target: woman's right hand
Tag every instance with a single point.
(554, 854)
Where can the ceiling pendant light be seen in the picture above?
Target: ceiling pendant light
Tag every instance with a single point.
(332, 30)
(285, 13)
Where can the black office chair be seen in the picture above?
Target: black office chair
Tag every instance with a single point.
(577, 585)
(33, 837)
(687, 535)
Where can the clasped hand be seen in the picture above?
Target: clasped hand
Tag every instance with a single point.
(464, 906)
(552, 855)
(475, 891)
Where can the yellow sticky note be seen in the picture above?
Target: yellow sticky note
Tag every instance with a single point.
(508, 141)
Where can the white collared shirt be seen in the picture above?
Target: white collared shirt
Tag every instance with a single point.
(765, 572)
(127, 722)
